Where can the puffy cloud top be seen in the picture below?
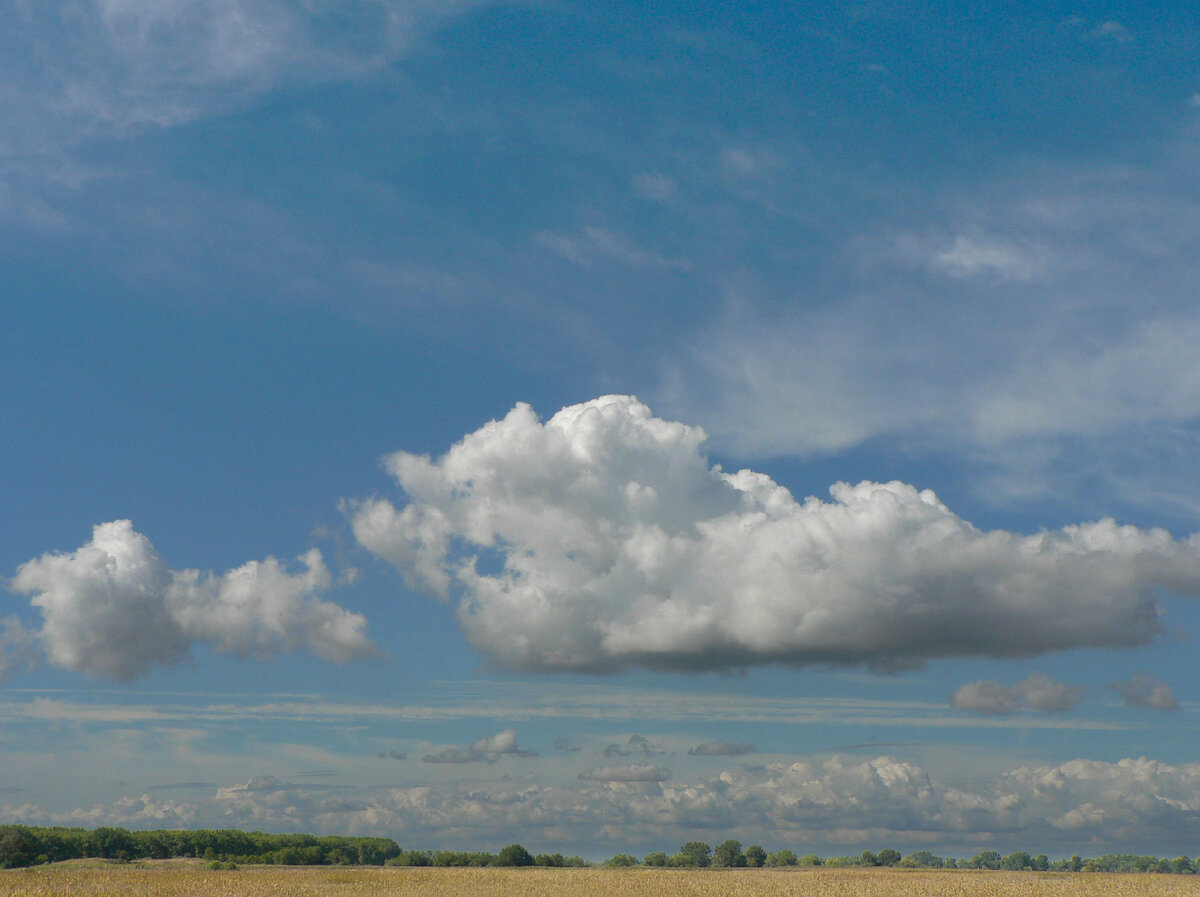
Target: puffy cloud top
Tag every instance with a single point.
(113, 608)
(603, 538)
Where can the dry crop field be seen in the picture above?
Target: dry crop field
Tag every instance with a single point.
(194, 880)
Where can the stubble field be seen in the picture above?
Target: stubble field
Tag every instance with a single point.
(169, 880)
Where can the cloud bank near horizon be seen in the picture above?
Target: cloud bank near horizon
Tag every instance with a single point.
(113, 609)
(603, 539)
(831, 803)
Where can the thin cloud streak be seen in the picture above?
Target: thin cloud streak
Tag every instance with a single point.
(518, 702)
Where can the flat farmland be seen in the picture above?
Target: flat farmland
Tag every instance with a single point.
(194, 880)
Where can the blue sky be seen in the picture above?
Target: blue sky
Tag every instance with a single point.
(329, 505)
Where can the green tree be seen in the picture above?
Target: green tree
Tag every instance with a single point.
(657, 859)
(16, 848)
(728, 854)
(782, 858)
(1017, 861)
(888, 857)
(756, 857)
(697, 853)
(868, 859)
(987, 859)
(514, 855)
(810, 859)
(621, 860)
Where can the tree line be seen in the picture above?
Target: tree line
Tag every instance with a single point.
(23, 845)
(27, 845)
(729, 854)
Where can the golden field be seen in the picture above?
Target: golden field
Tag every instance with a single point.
(194, 880)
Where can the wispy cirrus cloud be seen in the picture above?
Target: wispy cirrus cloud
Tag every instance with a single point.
(108, 66)
(507, 701)
(999, 329)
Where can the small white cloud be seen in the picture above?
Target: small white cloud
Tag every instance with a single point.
(597, 244)
(749, 162)
(619, 544)
(657, 187)
(1112, 31)
(967, 257)
(112, 608)
(637, 745)
(485, 750)
(1038, 692)
(1146, 691)
(985, 697)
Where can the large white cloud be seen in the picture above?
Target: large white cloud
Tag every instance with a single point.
(113, 608)
(603, 538)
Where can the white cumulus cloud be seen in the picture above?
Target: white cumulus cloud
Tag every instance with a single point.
(485, 750)
(113, 608)
(603, 538)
